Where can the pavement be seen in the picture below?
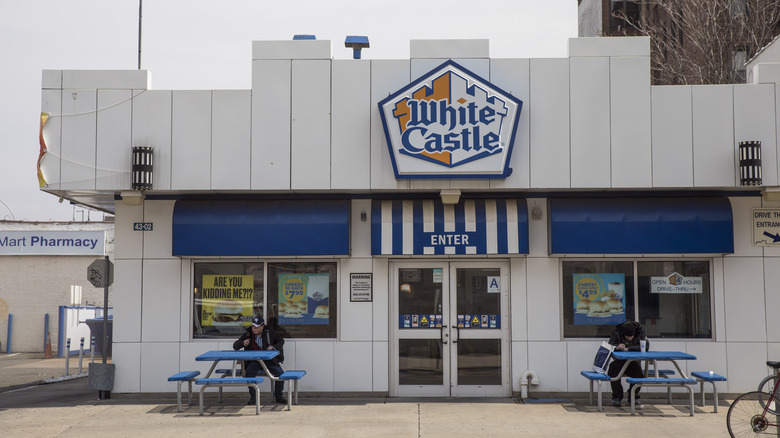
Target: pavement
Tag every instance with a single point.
(66, 407)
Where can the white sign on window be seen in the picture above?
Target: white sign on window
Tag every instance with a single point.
(676, 284)
(494, 285)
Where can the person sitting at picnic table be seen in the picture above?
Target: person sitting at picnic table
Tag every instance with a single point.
(259, 337)
(626, 337)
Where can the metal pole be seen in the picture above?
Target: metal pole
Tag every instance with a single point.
(45, 330)
(81, 353)
(67, 358)
(105, 312)
(92, 350)
(10, 331)
(140, 20)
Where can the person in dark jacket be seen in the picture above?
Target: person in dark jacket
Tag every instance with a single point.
(626, 337)
(259, 337)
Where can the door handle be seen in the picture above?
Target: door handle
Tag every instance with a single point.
(457, 335)
(444, 334)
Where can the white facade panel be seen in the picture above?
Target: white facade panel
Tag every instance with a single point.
(152, 128)
(713, 136)
(161, 293)
(114, 137)
(387, 77)
(310, 146)
(107, 79)
(744, 286)
(79, 114)
(549, 124)
(743, 227)
(51, 79)
(450, 48)
(271, 124)
(755, 119)
(191, 140)
(129, 243)
(575, 351)
(158, 243)
(478, 66)
(513, 76)
(381, 366)
(630, 96)
(518, 298)
(543, 326)
(351, 125)
(293, 49)
(353, 371)
(744, 375)
(51, 103)
(519, 363)
(548, 360)
(125, 296)
(317, 358)
(672, 136)
(159, 360)
(589, 82)
(772, 300)
(599, 46)
(127, 374)
(381, 307)
(360, 230)
(231, 128)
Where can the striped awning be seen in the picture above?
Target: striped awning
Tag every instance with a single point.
(428, 227)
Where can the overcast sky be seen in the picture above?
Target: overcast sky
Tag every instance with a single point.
(203, 45)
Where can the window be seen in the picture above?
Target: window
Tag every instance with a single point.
(302, 299)
(299, 300)
(674, 299)
(671, 299)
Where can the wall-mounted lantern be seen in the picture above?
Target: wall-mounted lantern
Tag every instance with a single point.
(750, 163)
(142, 168)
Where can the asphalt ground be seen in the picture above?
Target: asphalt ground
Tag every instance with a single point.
(68, 408)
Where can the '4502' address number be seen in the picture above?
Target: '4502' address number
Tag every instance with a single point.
(142, 226)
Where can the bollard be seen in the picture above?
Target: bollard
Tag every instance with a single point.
(67, 358)
(92, 351)
(81, 352)
(10, 330)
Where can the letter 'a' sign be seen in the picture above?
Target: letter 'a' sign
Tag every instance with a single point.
(450, 123)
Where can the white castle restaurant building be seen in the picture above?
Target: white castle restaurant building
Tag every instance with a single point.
(445, 225)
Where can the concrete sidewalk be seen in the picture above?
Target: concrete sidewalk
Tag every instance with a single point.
(70, 408)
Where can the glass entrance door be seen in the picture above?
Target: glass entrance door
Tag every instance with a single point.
(450, 335)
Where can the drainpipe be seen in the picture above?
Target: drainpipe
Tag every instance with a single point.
(527, 375)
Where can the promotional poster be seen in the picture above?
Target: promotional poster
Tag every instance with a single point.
(303, 299)
(599, 299)
(226, 300)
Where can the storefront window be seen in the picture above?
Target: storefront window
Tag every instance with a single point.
(226, 298)
(588, 284)
(671, 299)
(302, 299)
(674, 299)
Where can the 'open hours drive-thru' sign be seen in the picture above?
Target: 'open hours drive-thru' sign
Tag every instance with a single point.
(766, 226)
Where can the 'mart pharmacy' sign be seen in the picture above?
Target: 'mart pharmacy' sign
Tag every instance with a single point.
(52, 242)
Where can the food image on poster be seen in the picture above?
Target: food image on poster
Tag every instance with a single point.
(304, 298)
(599, 299)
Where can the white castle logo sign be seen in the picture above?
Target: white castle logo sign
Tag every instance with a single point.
(450, 123)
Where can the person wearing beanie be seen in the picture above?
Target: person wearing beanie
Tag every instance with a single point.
(259, 337)
(626, 337)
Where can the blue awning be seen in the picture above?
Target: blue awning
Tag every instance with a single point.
(261, 228)
(428, 227)
(641, 226)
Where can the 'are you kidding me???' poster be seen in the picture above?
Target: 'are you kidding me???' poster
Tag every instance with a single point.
(227, 300)
(599, 299)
